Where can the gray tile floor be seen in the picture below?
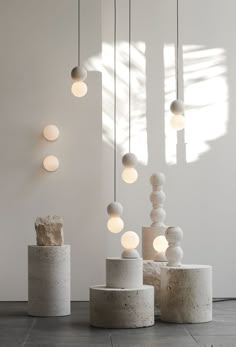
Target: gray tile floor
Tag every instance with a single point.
(17, 329)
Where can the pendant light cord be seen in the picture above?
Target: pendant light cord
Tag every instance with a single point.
(129, 75)
(114, 100)
(177, 49)
(78, 32)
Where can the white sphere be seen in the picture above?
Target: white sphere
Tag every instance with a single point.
(51, 132)
(157, 179)
(129, 175)
(174, 256)
(130, 254)
(115, 224)
(178, 122)
(79, 89)
(115, 209)
(51, 163)
(174, 234)
(157, 198)
(160, 243)
(129, 240)
(158, 215)
(129, 160)
(177, 107)
(78, 73)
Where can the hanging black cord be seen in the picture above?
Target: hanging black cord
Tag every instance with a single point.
(129, 75)
(177, 49)
(78, 32)
(114, 100)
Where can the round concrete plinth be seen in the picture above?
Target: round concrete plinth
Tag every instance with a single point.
(186, 294)
(148, 236)
(124, 273)
(152, 276)
(121, 308)
(49, 280)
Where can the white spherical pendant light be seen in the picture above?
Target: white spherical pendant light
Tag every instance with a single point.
(79, 89)
(51, 132)
(115, 223)
(129, 174)
(51, 163)
(178, 122)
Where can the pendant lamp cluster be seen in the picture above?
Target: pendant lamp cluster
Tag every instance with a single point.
(177, 106)
(115, 224)
(79, 73)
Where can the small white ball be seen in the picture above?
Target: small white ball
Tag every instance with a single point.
(129, 240)
(115, 209)
(174, 256)
(157, 198)
(51, 163)
(78, 73)
(79, 89)
(129, 160)
(174, 234)
(158, 215)
(157, 179)
(178, 122)
(51, 132)
(115, 224)
(177, 107)
(129, 175)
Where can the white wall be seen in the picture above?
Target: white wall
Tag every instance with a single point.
(38, 48)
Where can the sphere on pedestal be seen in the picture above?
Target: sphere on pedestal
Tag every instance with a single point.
(129, 160)
(115, 224)
(115, 209)
(178, 122)
(130, 254)
(177, 107)
(157, 179)
(78, 73)
(129, 175)
(130, 240)
(160, 243)
(79, 89)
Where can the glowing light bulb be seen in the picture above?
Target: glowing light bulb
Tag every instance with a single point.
(51, 132)
(160, 244)
(129, 240)
(178, 122)
(129, 175)
(51, 163)
(115, 224)
(79, 89)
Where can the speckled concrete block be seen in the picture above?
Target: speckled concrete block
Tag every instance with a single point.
(186, 294)
(124, 273)
(121, 308)
(49, 280)
(152, 276)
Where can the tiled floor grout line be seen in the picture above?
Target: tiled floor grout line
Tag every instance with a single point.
(29, 331)
(191, 335)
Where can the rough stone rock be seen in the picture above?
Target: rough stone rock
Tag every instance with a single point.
(49, 231)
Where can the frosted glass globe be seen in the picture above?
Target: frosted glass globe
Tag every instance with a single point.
(79, 89)
(51, 132)
(51, 163)
(129, 175)
(129, 240)
(115, 224)
(177, 122)
(160, 244)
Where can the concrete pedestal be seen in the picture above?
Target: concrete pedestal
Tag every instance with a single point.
(124, 273)
(49, 280)
(186, 294)
(148, 236)
(152, 276)
(121, 308)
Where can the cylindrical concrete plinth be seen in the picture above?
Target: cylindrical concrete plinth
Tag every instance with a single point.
(152, 276)
(148, 236)
(186, 294)
(121, 308)
(124, 273)
(49, 280)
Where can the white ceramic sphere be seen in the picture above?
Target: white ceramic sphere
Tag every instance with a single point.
(78, 73)
(115, 224)
(177, 122)
(174, 256)
(79, 89)
(130, 240)
(115, 209)
(51, 132)
(51, 163)
(129, 175)
(177, 107)
(174, 234)
(160, 243)
(157, 179)
(157, 198)
(129, 160)
(158, 215)
(130, 254)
